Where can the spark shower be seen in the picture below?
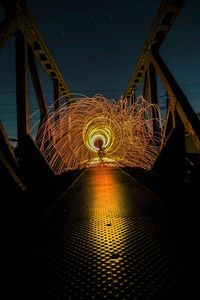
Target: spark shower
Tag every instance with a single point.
(92, 131)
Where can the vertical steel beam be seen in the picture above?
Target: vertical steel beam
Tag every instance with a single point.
(183, 107)
(40, 96)
(132, 97)
(37, 83)
(171, 161)
(7, 31)
(56, 99)
(23, 123)
(152, 84)
(6, 149)
(145, 91)
(153, 95)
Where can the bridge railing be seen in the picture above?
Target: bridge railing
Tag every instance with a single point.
(180, 114)
(30, 49)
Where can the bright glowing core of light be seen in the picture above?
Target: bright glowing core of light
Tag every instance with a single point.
(96, 129)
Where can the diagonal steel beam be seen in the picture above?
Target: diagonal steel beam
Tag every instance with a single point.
(19, 17)
(41, 51)
(183, 107)
(163, 21)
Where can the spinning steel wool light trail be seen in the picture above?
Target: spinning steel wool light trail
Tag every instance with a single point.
(91, 131)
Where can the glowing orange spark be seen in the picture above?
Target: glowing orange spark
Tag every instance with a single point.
(90, 131)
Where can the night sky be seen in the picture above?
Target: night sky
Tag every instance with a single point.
(96, 44)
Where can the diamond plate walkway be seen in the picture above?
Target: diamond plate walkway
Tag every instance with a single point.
(107, 238)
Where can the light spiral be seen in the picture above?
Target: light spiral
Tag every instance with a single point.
(101, 128)
(90, 131)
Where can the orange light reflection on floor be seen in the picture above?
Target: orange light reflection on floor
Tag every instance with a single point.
(107, 226)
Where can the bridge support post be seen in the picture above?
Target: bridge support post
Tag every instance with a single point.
(23, 124)
(37, 84)
(42, 132)
(31, 160)
(171, 161)
(153, 96)
(145, 90)
(132, 97)
(183, 107)
(56, 99)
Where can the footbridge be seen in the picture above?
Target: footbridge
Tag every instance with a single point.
(101, 202)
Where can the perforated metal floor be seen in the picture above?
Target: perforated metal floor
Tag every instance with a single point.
(107, 238)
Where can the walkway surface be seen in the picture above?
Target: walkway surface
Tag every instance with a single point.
(108, 238)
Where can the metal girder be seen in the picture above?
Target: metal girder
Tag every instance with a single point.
(41, 51)
(9, 179)
(164, 19)
(6, 31)
(18, 17)
(145, 90)
(181, 104)
(6, 149)
(56, 99)
(171, 161)
(30, 46)
(36, 82)
(153, 96)
(23, 122)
